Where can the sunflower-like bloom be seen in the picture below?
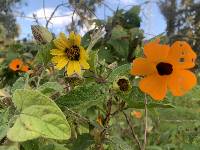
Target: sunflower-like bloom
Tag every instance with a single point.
(165, 67)
(70, 54)
(18, 65)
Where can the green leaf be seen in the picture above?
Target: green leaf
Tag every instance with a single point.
(135, 99)
(49, 88)
(82, 142)
(4, 113)
(120, 41)
(93, 60)
(82, 95)
(118, 143)
(106, 52)
(123, 70)
(39, 117)
(136, 33)
(13, 146)
(19, 84)
(131, 18)
(118, 32)
(43, 56)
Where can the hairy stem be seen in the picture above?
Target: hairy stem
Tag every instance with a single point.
(132, 130)
(145, 123)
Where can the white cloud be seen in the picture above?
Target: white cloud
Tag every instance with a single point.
(59, 21)
(59, 18)
(129, 2)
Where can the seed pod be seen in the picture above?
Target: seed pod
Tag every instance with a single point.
(41, 34)
(122, 84)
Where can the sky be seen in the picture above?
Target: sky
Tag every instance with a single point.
(153, 22)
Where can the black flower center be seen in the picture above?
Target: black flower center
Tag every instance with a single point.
(17, 66)
(164, 68)
(73, 53)
(123, 84)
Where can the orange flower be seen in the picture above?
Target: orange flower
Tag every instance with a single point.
(136, 114)
(165, 67)
(17, 65)
(25, 68)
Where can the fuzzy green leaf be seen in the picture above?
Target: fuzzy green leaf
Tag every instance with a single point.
(39, 117)
(123, 70)
(43, 56)
(13, 146)
(119, 40)
(49, 88)
(82, 95)
(3, 122)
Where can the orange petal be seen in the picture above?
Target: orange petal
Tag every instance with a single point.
(181, 81)
(182, 55)
(141, 66)
(155, 86)
(25, 68)
(156, 52)
(15, 64)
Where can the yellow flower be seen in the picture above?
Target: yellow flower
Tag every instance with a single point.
(69, 54)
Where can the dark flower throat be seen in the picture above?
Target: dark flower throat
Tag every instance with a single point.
(73, 53)
(164, 68)
(123, 84)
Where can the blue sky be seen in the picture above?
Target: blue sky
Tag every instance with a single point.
(152, 20)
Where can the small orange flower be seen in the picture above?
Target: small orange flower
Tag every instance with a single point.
(17, 65)
(136, 114)
(165, 67)
(25, 68)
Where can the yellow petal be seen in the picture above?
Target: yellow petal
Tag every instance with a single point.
(83, 53)
(77, 40)
(70, 68)
(77, 67)
(58, 43)
(72, 36)
(61, 63)
(55, 59)
(64, 40)
(57, 52)
(84, 64)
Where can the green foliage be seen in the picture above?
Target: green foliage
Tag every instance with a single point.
(123, 70)
(119, 40)
(46, 110)
(13, 146)
(49, 88)
(19, 84)
(4, 118)
(135, 99)
(83, 142)
(122, 36)
(39, 117)
(43, 56)
(83, 96)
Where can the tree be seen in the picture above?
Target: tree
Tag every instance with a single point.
(85, 10)
(7, 19)
(183, 20)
